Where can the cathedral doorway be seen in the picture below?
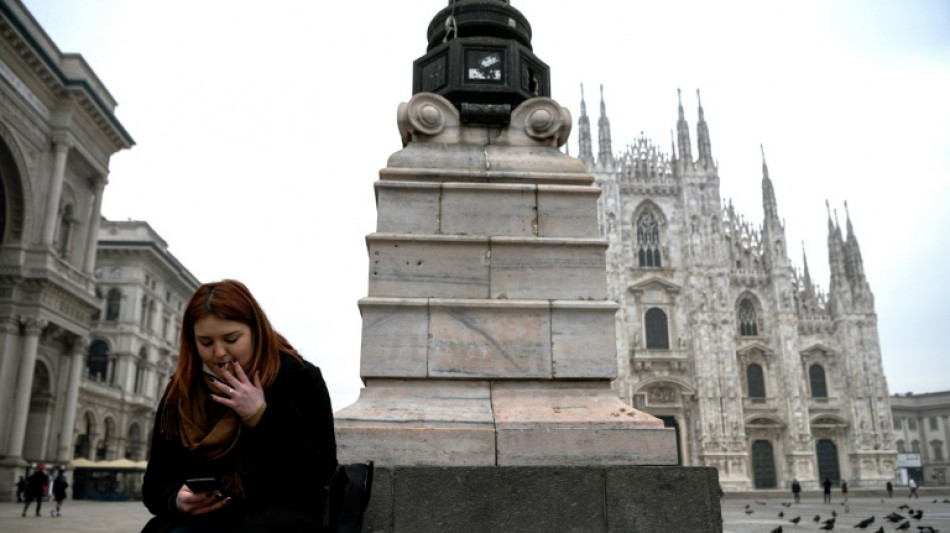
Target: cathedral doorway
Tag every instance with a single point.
(828, 461)
(763, 465)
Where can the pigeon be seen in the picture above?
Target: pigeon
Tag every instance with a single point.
(880, 530)
(903, 506)
(817, 518)
(828, 527)
(795, 520)
(760, 503)
(830, 521)
(833, 513)
(786, 504)
(865, 523)
(905, 525)
(749, 511)
(777, 530)
(781, 514)
(918, 514)
(926, 529)
(894, 518)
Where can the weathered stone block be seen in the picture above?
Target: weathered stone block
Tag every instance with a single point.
(567, 423)
(428, 266)
(477, 500)
(612, 499)
(395, 337)
(407, 207)
(506, 338)
(582, 339)
(418, 422)
(489, 209)
(663, 499)
(565, 211)
(548, 269)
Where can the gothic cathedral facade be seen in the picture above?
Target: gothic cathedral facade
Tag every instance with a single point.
(764, 377)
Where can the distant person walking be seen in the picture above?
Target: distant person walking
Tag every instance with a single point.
(20, 489)
(844, 490)
(59, 492)
(827, 486)
(796, 490)
(913, 488)
(890, 489)
(35, 489)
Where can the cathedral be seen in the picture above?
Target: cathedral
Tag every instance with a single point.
(764, 376)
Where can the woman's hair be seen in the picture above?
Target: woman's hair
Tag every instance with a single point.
(228, 300)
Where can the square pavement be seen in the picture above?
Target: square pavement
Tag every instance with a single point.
(83, 516)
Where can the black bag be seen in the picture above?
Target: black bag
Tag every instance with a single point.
(346, 496)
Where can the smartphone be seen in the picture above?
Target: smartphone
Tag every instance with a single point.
(203, 484)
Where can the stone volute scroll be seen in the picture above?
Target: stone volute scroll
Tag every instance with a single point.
(428, 117)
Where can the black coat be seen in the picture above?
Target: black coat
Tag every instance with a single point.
(288, 458)
(36, 484)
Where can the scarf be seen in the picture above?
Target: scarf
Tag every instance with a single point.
(211, 431)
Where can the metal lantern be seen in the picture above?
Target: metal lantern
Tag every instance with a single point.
(480, 58)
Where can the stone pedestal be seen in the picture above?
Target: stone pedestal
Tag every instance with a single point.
(487, 336)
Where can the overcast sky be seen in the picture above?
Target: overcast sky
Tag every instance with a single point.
(261, 128)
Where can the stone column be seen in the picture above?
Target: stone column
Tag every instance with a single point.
(61, 146)
(9, 337)
(92, 239)
(24, 385)
(65, 451)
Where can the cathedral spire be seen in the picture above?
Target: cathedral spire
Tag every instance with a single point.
(702, 137)
(839, 289)
(605, 154)
(769, 205)
(853, 250)
(585, 149)
(682, 130)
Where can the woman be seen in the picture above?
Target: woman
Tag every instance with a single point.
(245, 408)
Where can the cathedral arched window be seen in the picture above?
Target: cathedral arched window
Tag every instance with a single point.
(816, 377)
(113, 302)
(748, 321)
(755, 379)
(915, 446)
(657, 330)
(648, 240)
(897, 423)
(97, 363)
(901, 448)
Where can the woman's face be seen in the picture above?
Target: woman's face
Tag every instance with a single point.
(221, 341)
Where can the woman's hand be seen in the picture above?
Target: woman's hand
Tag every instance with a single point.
(238, 392)
(194, 504)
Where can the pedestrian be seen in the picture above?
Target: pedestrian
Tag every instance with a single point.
(913, 488)
(241, 404)
(844, 490)
(20, 489)
(59, 492)
(35, 489)
(796, 490)
(827, 486)
(890, 489)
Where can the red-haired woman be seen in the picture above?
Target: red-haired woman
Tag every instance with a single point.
(246, 409)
